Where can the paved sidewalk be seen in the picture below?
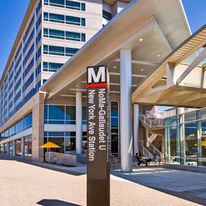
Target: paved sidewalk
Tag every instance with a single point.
(24, 184)
(184, 184)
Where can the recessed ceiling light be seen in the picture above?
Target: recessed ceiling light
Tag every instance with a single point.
(141, 39)
(158, 55)
(114, 67)
(141, 70)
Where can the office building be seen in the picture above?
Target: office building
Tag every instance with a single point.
(64, 37)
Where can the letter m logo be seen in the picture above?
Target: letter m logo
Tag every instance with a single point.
(96, 76)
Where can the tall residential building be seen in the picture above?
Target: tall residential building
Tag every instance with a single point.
(42, 89)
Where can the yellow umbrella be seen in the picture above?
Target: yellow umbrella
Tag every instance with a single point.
(49, 145)
(203, 144)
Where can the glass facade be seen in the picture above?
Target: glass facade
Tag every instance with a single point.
(20, 126)
(185, 139)
(61, 114)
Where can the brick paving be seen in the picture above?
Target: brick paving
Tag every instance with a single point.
(23, 184)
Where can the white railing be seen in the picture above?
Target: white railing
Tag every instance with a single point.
(152, 121)
(144, 151)
(156, 151)
(151, 139)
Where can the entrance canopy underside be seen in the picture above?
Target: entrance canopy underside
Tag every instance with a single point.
(151, 29)
(180, 79)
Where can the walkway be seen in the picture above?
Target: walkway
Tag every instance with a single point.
(26, 185)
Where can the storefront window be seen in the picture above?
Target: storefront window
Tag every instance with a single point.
(28, 146)
(11, 149)
(114, 128)
(65, 140)
(202, 152)
(173, 144)
(18, 147)
(191, 143)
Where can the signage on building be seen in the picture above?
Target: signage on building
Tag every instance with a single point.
(98, 140)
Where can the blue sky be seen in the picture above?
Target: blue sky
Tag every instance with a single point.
(12, 13)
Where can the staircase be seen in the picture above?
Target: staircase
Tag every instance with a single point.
(151, 138)
(153, 125)
(144, 151)
(154, 150)
(150, 121)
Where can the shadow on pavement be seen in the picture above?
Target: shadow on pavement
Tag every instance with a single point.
(186, 185)
(53, 202)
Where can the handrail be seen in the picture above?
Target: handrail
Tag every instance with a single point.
(151, 139)
(145, 151)
(152, 121)
(156, 151)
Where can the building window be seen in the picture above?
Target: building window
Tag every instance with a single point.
(31, 36)
(75, 36)
(55, 50)
(52, 33)
(59, 3)
(17, 73)
(38, 70)
(17, 85)
(28, 82)
(38, 22)
(28, 68)
(28, 55)
(38, 53)
(75, 20)
(66, 140)
(53, 17)
(60, 51)
(38, 38)
(66, 3)
(114, 128)
(18, 61)
(57, 114)
(18, 51)
(46, 16)
(28, 146)
(71, 51)
(38, 8)
(59, 34)
(28, 29)
(29, 95)
(38, 85)
(107, 15)
(64, 19)
(51, 67)
(75, 5)
(18, 95)
(44, 81)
